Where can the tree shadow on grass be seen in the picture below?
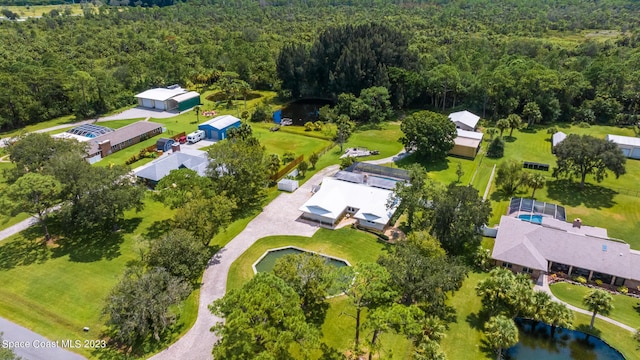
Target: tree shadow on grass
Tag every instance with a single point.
(429, 165)
(25, 250)
(509, 139)
(89, 245)
(157, 229)
(569, 193)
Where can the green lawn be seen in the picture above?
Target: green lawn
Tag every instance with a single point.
(5, 219)
(611, 204)
(351, 245)
(464, 338)
(38, 10)
(58, 290)
(346, 243)
(626, 308)
(39, 126)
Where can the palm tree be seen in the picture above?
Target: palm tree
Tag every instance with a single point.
(515, 122)
(501, 332)
(502, 125)
(599, 302)
(557, 314)
(492, 132)
(244, 89)
(197, 110)
(536, 181)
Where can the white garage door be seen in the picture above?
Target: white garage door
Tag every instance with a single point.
(147, 103)
(160, 105)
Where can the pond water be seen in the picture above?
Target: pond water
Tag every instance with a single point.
(564, 345)
(269, 260)
(302, 111)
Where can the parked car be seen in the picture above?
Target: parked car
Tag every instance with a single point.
(182, 139)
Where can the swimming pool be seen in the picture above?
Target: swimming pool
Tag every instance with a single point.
(536, 219)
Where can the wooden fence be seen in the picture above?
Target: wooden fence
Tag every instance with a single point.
(287, 168)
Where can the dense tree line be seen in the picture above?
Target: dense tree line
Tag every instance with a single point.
(492, 57)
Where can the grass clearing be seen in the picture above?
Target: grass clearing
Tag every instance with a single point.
(626, 309)
(39, 10)
(352, 245)
(611, 204)
(464, 336)
(58, 290)
(346, 243)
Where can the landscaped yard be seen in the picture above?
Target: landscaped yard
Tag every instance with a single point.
(465, 340)
(346, 243)
(626, 309)
(58, 290)
(611, 204)
(7, 220)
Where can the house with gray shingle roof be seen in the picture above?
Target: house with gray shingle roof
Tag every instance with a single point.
(195, 160)
(573, 249)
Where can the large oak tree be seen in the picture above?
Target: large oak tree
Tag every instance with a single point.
(582, 155)
(429, 134)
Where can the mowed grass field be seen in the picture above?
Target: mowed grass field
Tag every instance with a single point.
(611, 204)
(355, 246)
(626, 309)
(39, 10)
(56, 290)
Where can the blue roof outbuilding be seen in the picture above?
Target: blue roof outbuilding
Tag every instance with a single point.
(216, 128)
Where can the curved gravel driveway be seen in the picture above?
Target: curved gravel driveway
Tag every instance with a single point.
(278, 218)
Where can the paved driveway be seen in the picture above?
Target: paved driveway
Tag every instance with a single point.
(32, 346)
(278, 218)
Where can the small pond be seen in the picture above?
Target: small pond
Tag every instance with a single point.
(302, 111)
(268, 260)
(564, 345)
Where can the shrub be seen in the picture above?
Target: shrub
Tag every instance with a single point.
(496, 148)
(584, 125)
(580, 279)
(288, 157)
(346, 162)
(317, 126)
(623, 290)
(308, 126)
(599, 282)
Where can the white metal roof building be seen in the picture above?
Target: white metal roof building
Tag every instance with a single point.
(630, 146)
(465, 120)
(337, 198)
(170, 98)
(557, 138)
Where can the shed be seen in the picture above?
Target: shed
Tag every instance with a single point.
(288, 185)
(466, 144)
(630, 146)
(465, 120)
(216, 128)
(557, 138)
(164, 144)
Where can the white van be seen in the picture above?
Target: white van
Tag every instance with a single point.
(195, 136)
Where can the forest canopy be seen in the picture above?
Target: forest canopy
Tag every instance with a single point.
(577, 60)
